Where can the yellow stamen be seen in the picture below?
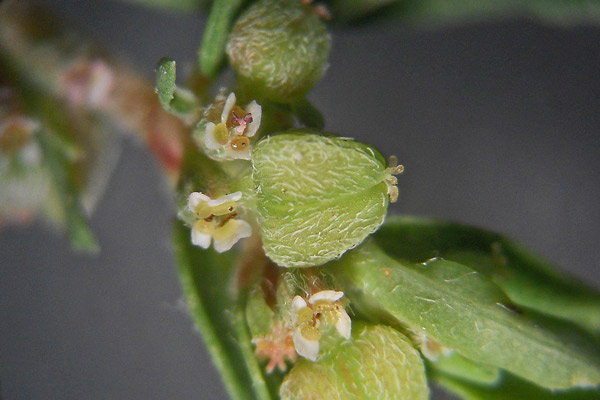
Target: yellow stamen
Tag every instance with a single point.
(323, 306)
(225, 231)
(203, 211)
(304, 315)
(221, 134)
(225, 208)
(310, 333)
(240, 143)
(203, 226)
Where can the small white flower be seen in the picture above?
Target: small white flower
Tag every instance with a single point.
(216, 221)
(87, 83)
(307, 317)
(229, 137)
(17, 139)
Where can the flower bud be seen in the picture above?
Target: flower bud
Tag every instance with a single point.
(279, 49)
(378, 361)
(317, 196)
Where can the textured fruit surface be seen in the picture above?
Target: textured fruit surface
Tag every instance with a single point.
(317, 196)
(377, 362)
(279, 48)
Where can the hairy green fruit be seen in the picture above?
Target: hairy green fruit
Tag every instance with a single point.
(377, 361)
(279, 49)
(317, 196)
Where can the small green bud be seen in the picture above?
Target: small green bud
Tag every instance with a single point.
(172, 98)
(279, 49)
(377, 361)
(165, 82)
(317, 196)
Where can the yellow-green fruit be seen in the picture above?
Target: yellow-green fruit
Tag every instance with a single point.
(279, 49)
(377, 362)
(317, 196)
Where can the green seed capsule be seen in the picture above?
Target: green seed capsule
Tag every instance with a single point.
(279, 49)
(378, 361)
(317, 196)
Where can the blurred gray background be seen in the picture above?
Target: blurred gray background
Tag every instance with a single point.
(497, 124)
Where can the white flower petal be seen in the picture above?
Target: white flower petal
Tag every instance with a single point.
(230, 197)
(101, 84)
(238, 154)
(229, 104)
(297, 304)
(209, 137)
(344, 325)
(201, 239)
(330, 295)
(256, 110)
(195, 199)
(243, 230)
(306, 348)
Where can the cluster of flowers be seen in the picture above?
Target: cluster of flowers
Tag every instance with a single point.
(223, 134)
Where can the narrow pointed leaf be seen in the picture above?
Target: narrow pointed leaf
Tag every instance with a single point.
(186, 6)
(527, 280)
(510, 389)
(462, 368)
(463, 310)
(205, 276)
(165, 82)
(172, 98)
(214, 39)
(308, 114)
(80, 235)
(449, 11)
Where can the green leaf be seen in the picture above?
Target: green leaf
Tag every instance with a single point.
(214, 40)
(171, 5)
(460, 367)
(165, 82)
(56, 157)
(510, 389)
(317, 196)
(205, 276)
(172, 98)
(259, 383)
(463, 310)
(377, 360)
(308, 114)
(560, 11)
(527, 280)
(258, 314)
(351, 10)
